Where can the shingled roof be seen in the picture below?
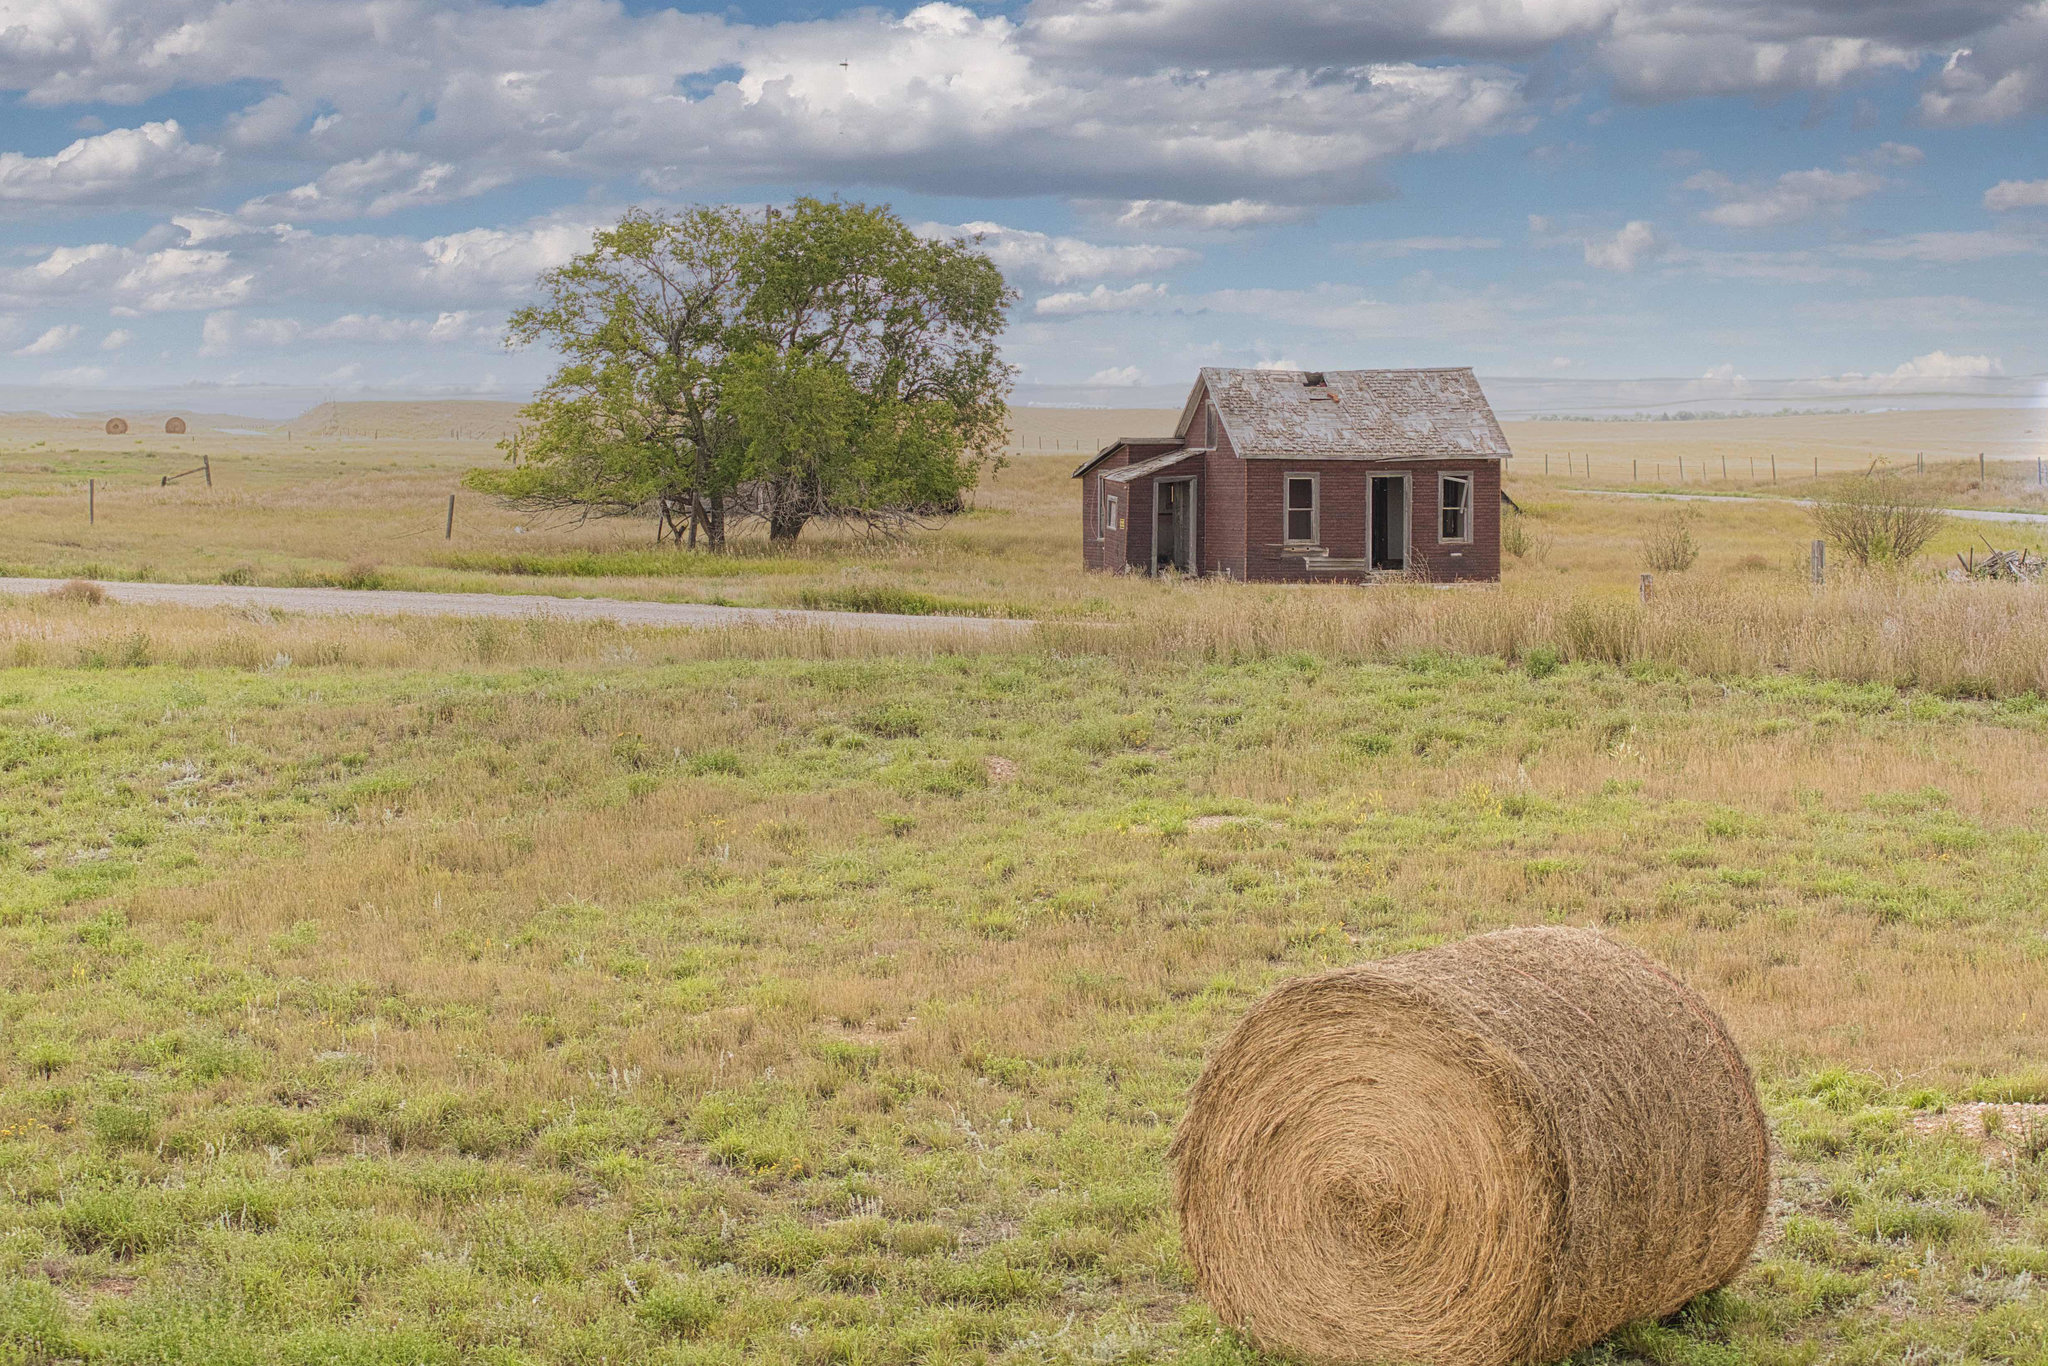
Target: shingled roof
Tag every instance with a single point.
(1354, 414)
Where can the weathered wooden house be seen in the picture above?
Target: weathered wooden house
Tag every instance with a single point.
(1338, 476)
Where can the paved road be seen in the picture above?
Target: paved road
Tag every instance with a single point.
(1967, 514)
(380, 602)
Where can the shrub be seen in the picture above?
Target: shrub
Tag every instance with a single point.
(1876, 522)
(1670, 548)
(1518, 540)
(682, 1311)
(80, 590)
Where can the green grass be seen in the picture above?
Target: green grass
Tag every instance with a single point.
(623, 564)
(841, 1010)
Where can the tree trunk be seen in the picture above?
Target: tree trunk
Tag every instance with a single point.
(785, 527)
(714, 524)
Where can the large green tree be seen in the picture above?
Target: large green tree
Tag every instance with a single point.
(789, 364)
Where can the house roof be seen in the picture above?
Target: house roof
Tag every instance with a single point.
(1113, 447)
(1353, 414)
(1152, 466)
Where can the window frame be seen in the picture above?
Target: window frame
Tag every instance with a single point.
(1108, 508)
(1444, 479)
(1102, 497)
(1315, 507)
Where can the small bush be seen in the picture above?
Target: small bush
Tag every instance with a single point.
(893, 722)
(80, 590)
(123, 1126)
(1542, 662)
(681, 1311)
(1670, 548)
(1518, 540)
(1876, 522)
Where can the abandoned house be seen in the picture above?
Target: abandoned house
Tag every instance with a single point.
(1339, 476)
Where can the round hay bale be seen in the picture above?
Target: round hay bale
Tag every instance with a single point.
(117, 426)
(1494, 1152)
(175, 426)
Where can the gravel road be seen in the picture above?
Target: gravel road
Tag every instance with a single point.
(380, 602)
(1967, 514)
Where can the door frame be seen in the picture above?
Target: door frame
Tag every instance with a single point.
(1194, 522)
(1407, 478)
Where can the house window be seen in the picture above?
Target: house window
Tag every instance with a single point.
(1109, 517)
(1455, 508)
(1302, 513)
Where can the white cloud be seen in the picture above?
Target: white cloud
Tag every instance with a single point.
(1409, 246)
(1635, 243)
(52, 341)
(227, 330)
(116, 339)
(1941, 365)
(83, 376)
(1791, 198)
(237, 265)
(1119, 377)
(1167, 215)
(382, 101)
(1062, 260)
(1890, 154)
(1947, 248)
(125, 166)
(2017, 194)
(2001, 74)
(1101, 299)
(371, 187)
(1214, 33)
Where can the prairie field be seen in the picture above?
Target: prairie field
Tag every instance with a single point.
(401, 991)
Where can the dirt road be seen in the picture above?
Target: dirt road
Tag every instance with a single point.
(379, 602)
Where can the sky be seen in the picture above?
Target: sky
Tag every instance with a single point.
(1701, 202)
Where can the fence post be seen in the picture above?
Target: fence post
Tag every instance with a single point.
(1920, 463)
(1774, 467)
(1820, 562)
(1816, 467)
(1681, 469)
(1724, 465)
(92, 511)
(1980, 467)
(449, 534)
(1643, 589)
(1546, 462)
(1635, 471)
(206, 463)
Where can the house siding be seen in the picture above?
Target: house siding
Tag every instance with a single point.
(1345, 518)
(1223, 504)
(1448, 428)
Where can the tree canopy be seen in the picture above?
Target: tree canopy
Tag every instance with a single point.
(786, 365)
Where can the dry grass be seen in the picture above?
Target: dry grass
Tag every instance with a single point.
(426, 991)
(702, 998)
(342, 512)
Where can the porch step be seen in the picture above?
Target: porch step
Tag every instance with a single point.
(1330, 564)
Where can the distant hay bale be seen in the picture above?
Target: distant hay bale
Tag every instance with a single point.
(1490, 1153)
(176, 426)
(117, 426)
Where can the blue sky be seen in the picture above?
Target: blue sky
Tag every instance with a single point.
(1756, 201)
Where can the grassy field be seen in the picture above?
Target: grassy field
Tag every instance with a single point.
(421, 991)
(343, 509)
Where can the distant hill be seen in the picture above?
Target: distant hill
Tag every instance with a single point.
(464, 420)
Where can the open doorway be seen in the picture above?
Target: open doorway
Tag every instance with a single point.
(1173, 531)
(1390, 521)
